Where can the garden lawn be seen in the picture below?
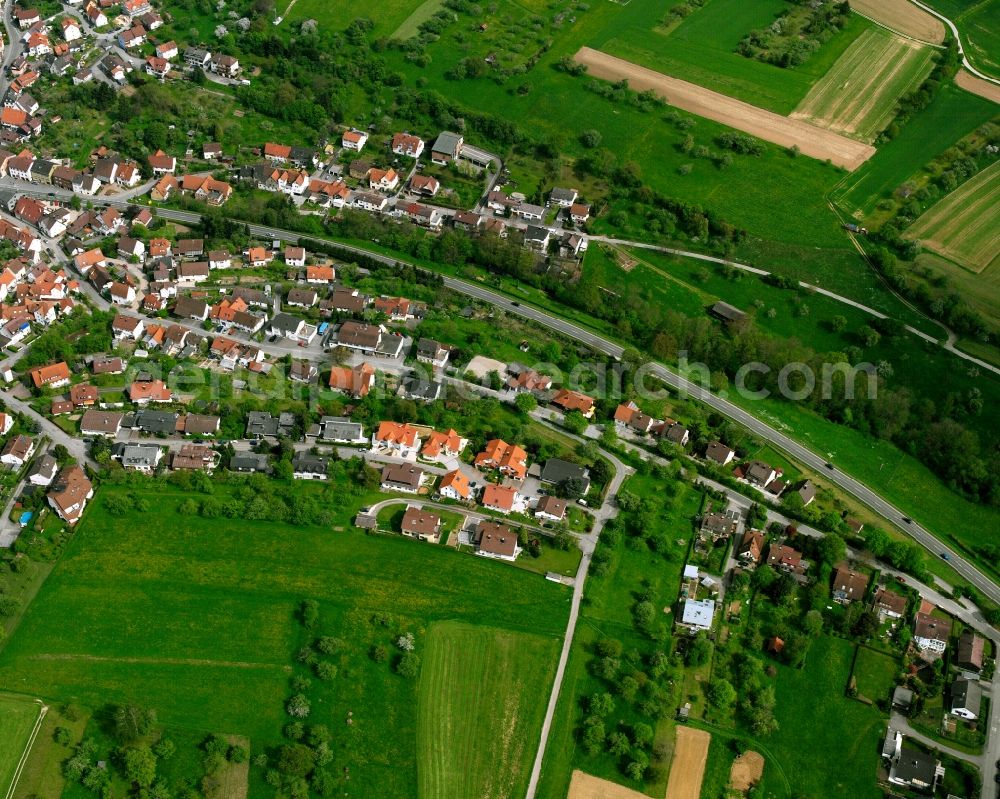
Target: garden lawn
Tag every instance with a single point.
(875, 673)
(196, 618)
(17, 719)
(828, 742)
(480, 705)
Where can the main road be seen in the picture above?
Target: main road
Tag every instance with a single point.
(718, 403)
(676, 381)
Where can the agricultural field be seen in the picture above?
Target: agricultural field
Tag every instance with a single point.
(962, 226)
(702, 49)
(203, 623)
(980, 290)
(857, 97)
(952, 114)
(976, 21)
(787, 132)
(903, 16)
(480, 704)
(18, 716)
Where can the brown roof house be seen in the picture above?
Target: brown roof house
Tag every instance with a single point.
(751, 548)
(418, 523)
(889, 604)
(849, 585)
(969, 655)
(784, 557)
(930, 634)
(403, 477)
(496, 540)
(70, 493)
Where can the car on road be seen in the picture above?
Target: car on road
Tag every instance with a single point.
(829, 466)
(907, 520)
(945, 556)
(900, 578)
(516, 304)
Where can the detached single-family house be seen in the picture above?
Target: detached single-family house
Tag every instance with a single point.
(496, 540)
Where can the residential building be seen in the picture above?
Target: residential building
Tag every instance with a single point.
(403, 477)
(889, 604)
(400, 440)
(970, 651)
(70, 493)
(697, 615)
(455, 485)
(750, 549)
(930, 634)
(356, 381)
(509, 459)
(496, 540)
(556, 471)
(17, 451)
(499, 498)
(550, 508)
(421, 524)
(101, 423)
(849, 585)
(574, 401)
(966, 698)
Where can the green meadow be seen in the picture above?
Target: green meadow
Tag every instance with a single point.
(17, 719)
(481, 700)
(197, 618)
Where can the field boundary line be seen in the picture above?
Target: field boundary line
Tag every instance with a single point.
(898, 33)
(27, 750)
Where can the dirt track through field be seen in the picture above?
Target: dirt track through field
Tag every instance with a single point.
(978, 86)
(688, 766)
(811, 140)
(904, 17)
(586, 786)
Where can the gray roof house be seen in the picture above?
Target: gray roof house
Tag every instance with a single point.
(966, 698)
(154, 422)
(306, 466)
(261, 424)
(422, 390)
(556, 470)
(341, 430)
(248, 462)
(43, 470)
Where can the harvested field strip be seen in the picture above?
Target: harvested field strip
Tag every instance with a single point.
(586, 786)
(904, 17)
(479, 710)
(858, 95)
(811, 140)
(688, 766)
(963, 226)
(411, 25)
(983, 88)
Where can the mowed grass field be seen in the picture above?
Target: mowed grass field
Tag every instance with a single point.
(858, 96)
(952, 114)
(481, 701)
(963, 226)
(197, 618)
(17, 719)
